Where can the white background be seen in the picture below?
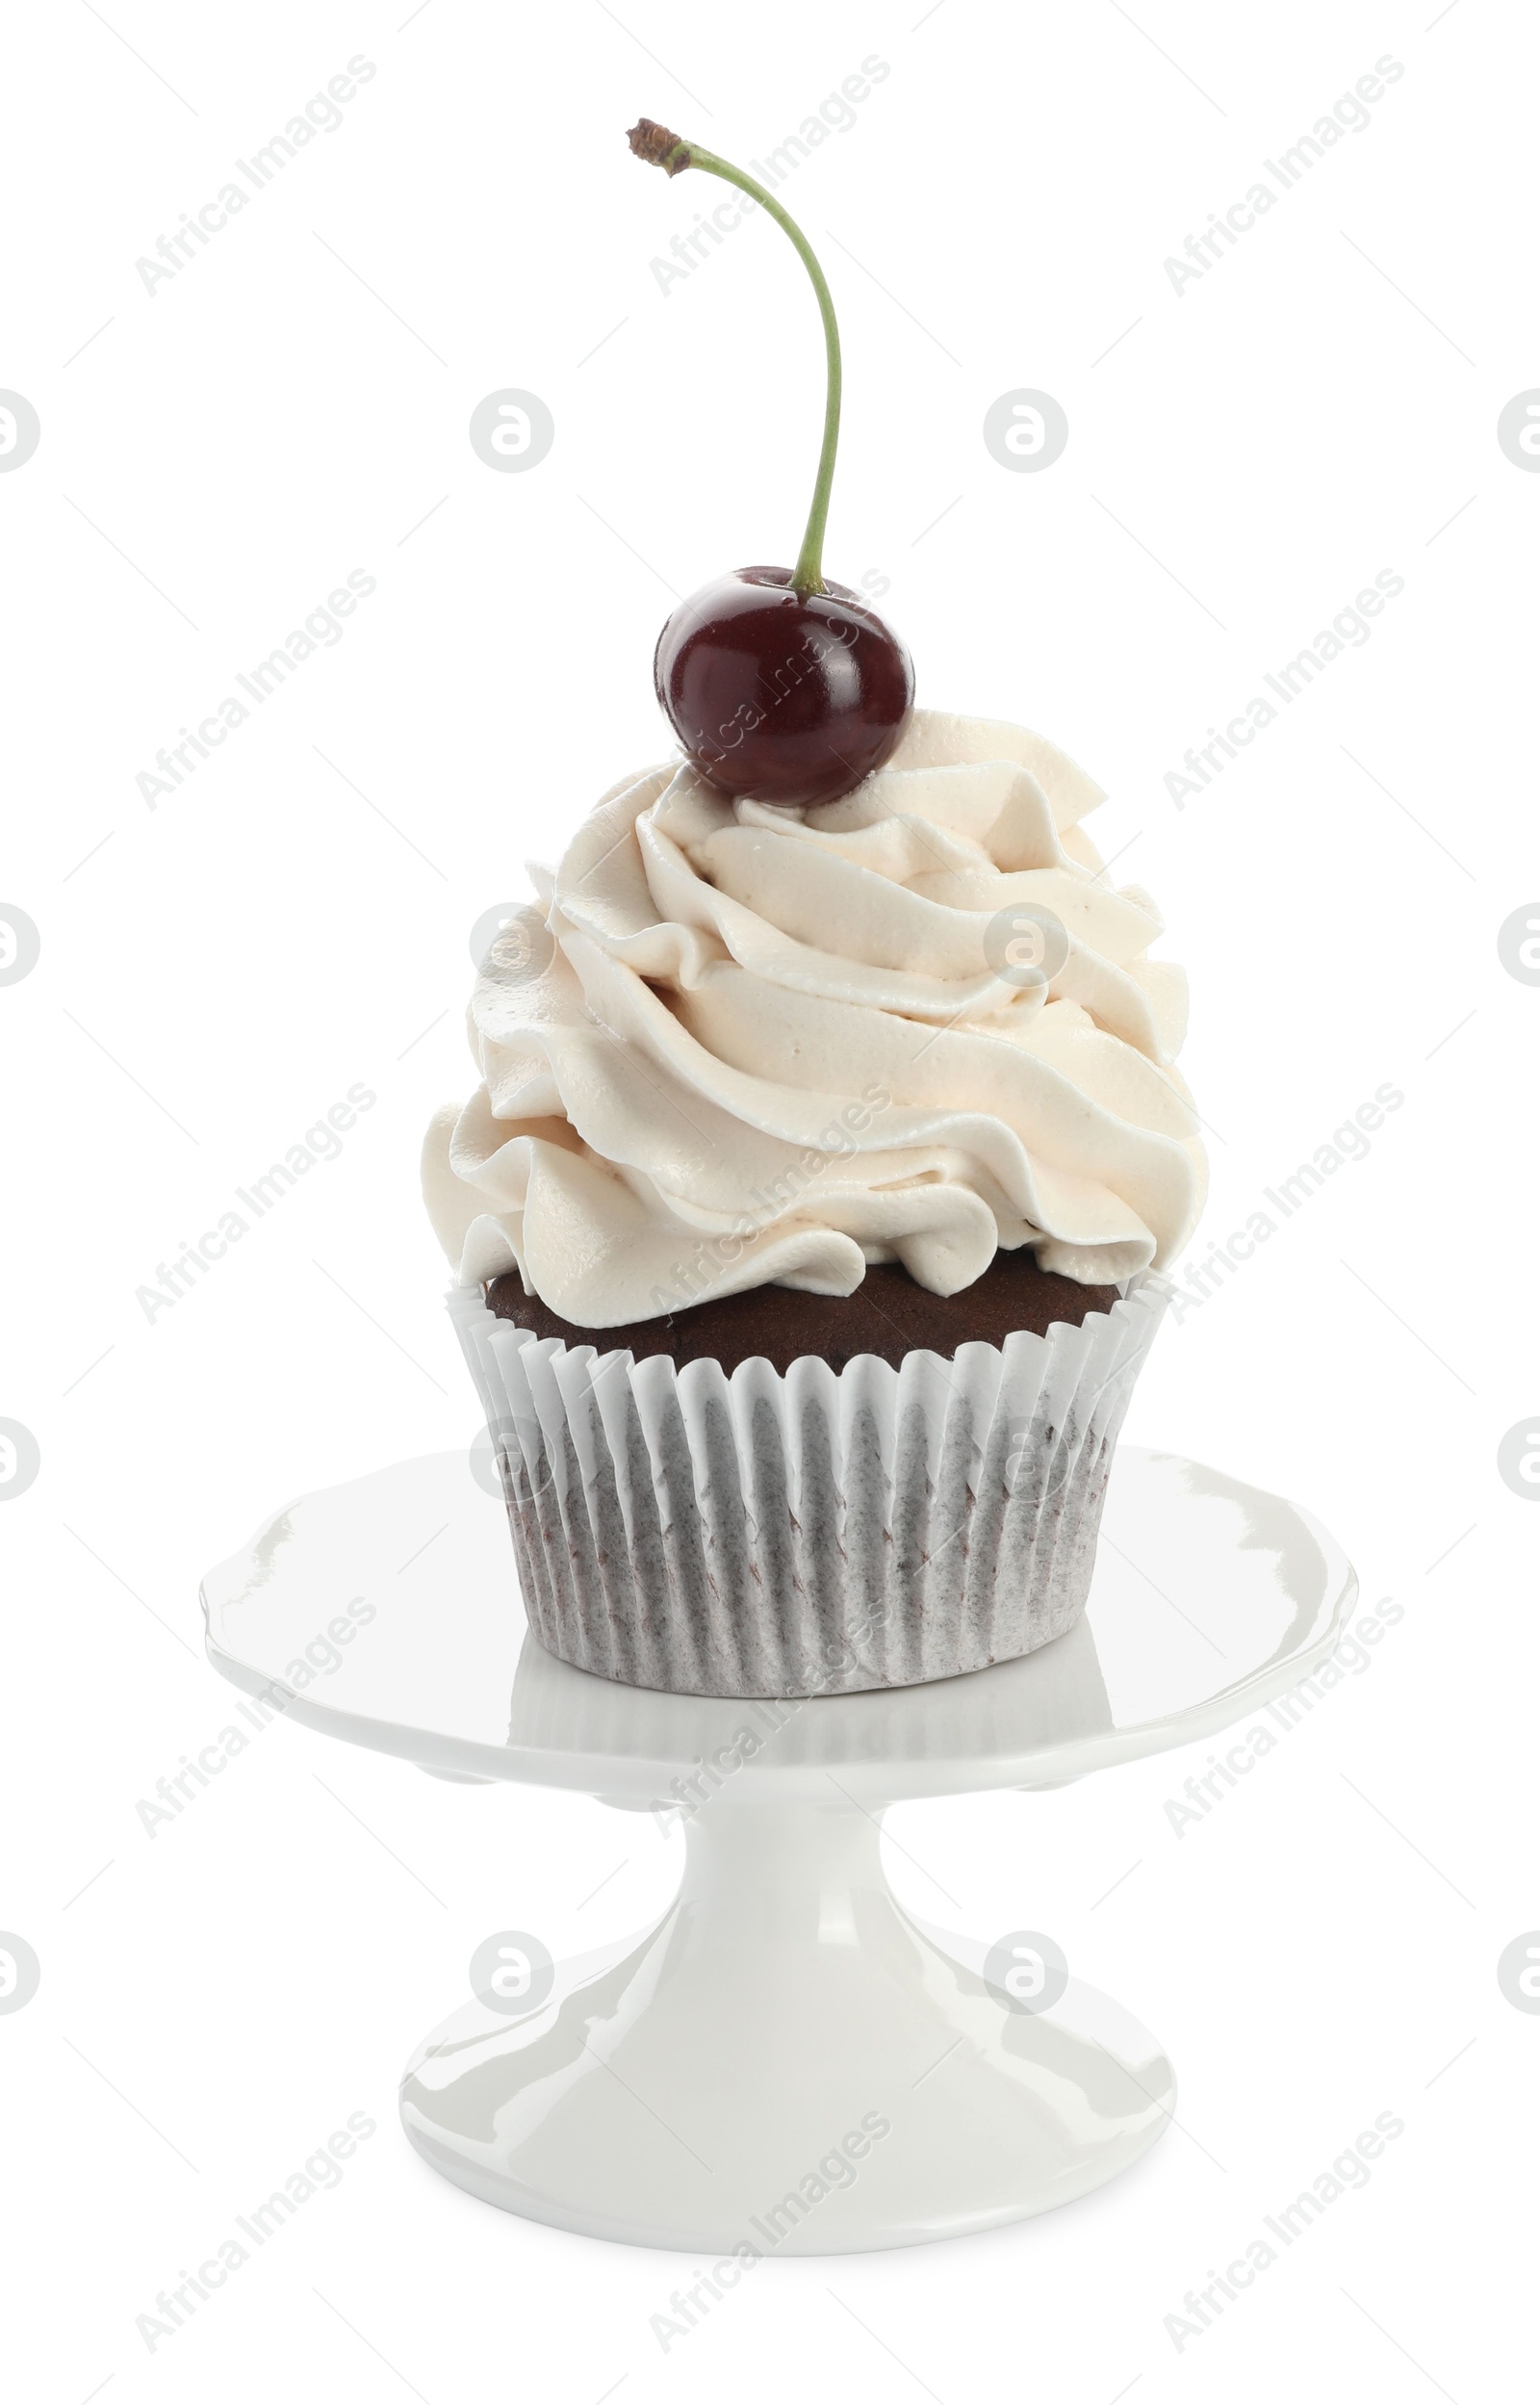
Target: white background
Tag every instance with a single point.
(293, 404)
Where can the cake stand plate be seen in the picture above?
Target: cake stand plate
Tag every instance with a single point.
(788, 2064)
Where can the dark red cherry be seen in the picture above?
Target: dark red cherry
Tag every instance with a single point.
(789, 697)
(778, 686)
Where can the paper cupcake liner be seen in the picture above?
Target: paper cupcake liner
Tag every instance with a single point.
(807, 1534)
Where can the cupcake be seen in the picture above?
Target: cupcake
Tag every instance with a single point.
(800, 1231)
(828, 1130)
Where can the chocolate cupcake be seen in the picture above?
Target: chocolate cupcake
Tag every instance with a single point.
(801, 1222)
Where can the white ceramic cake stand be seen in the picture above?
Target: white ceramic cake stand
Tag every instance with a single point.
(789, 2060)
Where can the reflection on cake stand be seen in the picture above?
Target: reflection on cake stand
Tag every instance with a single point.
(789, 2061)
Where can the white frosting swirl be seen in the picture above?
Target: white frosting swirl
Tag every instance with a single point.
(735, 1046)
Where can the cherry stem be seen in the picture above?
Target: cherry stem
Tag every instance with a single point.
(661, 149)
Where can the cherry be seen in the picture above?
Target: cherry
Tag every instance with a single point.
(777, 685)
(790, 697)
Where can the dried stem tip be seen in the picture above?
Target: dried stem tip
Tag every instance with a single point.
(659, 147)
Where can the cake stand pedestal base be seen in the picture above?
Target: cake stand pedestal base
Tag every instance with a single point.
(787, 2064)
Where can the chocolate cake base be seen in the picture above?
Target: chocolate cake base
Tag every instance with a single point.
(887, 1316)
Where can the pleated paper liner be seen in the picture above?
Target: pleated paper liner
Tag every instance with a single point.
(807, 1534)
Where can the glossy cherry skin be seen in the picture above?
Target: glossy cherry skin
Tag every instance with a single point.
(791, 698)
